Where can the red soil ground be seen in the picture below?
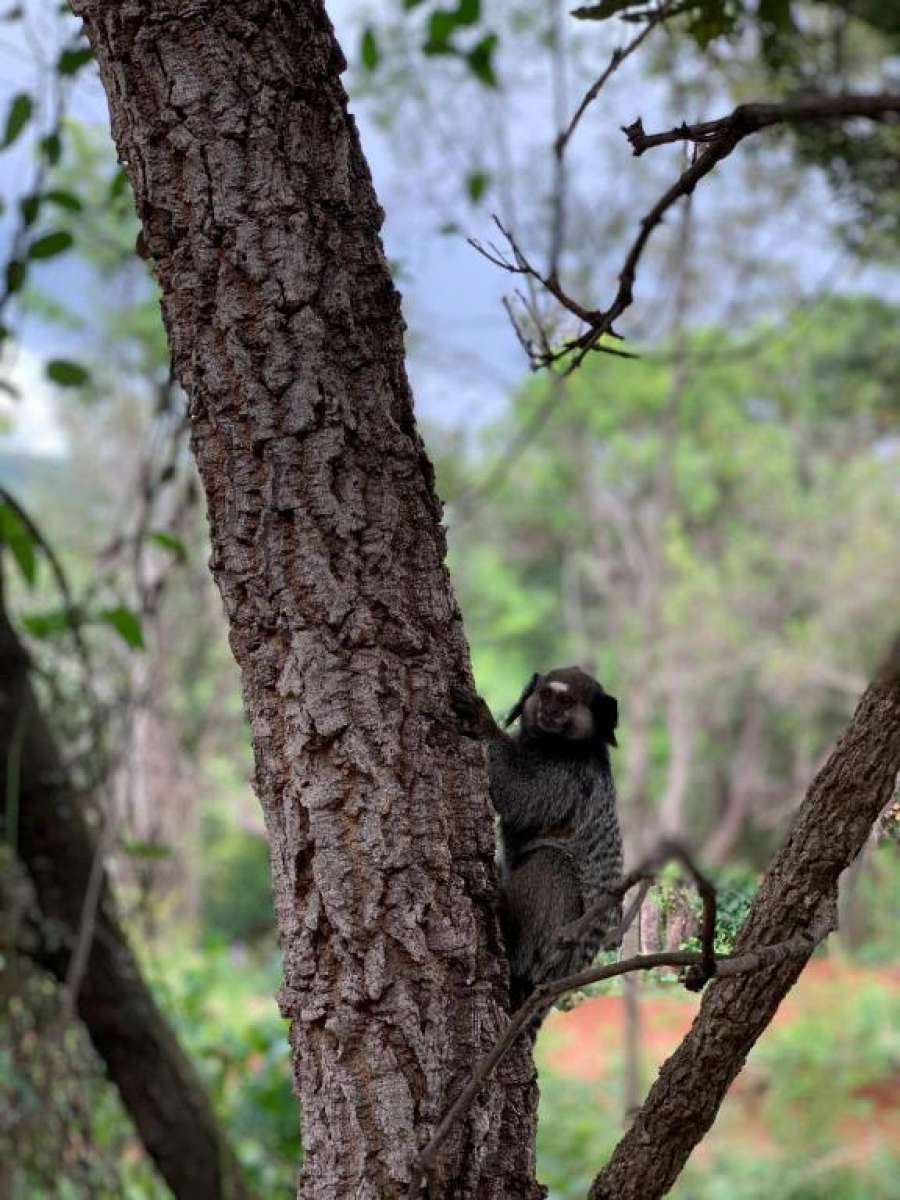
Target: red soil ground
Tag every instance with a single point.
(586, 1044)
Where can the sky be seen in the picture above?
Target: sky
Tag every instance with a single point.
(464, 358)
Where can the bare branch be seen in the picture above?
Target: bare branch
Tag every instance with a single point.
(542, 355)
(546, 993)
(750, 118)
(617, 58)
(714, 140)
(702, 966)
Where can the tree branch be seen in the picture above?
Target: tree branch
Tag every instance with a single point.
(616, 59)
(750, 118)
(796, 900)
(714, 140)
(702, 967)
(157, 1082)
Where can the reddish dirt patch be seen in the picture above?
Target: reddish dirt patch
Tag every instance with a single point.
(586, 1044)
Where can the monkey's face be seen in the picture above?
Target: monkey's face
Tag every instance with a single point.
(568, 704)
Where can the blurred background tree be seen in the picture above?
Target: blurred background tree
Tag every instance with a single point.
(711, 528)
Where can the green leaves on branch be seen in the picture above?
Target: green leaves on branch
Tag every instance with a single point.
(55, 622)
(607, 9)
(51, 624)
(18, 116)
(126, 623)
(71, 61)
(477, 183)
(139, 848)
(16, 534)
(119, 184)
(62, 199)
(15, 275)
(51, 147)
(51, 244)
(481, 60)
(441, 27)
(169, 542)
(710, 18)
(369, 50)
(66, 373)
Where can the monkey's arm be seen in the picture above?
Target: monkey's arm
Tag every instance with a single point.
(474, 715)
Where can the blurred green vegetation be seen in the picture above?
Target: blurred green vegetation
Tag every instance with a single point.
(712, 529)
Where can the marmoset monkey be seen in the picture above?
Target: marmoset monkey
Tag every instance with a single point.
(552, 786)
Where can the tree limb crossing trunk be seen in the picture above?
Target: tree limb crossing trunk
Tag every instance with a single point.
(799, 890)
(259, 214)
(157, 1082)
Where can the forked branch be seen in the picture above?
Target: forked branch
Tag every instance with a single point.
(699, 968)
(714, 141)
(795, 902)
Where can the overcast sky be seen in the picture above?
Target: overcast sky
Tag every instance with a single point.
(464, 359)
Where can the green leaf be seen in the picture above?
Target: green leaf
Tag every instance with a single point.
(410, 4)
(145, 849)
(119, 184)
(369, 51)
(481, 60)
(169, 542)
(468, 12)
(776, 13)
(16, 534)
(441, 26)
(126, 623)
(51, 148)
(15, 275)
(477, 183)
(604, 10)
(49, 624)
(17, 118)
(51, 244)
(29, 207)
(71, 61)
(67, 373)
(63, 200)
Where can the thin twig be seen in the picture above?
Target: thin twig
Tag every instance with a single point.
(750, 118)
(717, 139)
(546, 993)
(543, 996)
(618, 57)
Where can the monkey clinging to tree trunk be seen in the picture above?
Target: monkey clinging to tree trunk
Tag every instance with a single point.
(553, 789)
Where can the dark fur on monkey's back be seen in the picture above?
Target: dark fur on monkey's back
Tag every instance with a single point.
(552, 786)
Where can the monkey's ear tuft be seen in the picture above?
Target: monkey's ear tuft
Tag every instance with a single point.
(516, 711)
(605, 709)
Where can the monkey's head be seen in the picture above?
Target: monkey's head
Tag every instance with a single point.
(568, 705)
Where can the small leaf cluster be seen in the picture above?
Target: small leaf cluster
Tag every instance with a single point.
(444, 34)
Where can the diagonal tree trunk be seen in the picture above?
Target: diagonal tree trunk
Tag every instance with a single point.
(799, 891)
(157, 1082)
(259, 215)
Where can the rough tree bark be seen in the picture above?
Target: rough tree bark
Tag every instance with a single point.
(799, 890)
(157, 1082)
(285, 329)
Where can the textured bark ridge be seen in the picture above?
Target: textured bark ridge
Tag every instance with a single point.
(260, 217)
(799, 892)
(157, 1082)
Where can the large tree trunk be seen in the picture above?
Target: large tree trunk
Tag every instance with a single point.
(157, 1082)
(259, 214)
